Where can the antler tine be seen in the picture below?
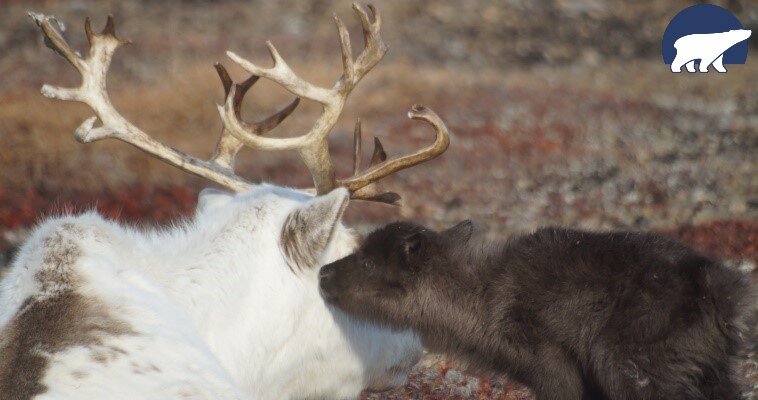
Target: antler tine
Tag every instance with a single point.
(386, 167)
(357, 143)
(55, 41)
(228, 146)
(242, 88)
(282, 74)
(264, 126)
(379, 154)
(373, 50)
(374, 47)
(372, 191)
(348, 65)
(92, 91)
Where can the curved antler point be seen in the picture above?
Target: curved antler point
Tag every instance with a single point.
(419, 111)
(233, 56)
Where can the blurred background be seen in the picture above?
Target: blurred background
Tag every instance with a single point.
(562, 112)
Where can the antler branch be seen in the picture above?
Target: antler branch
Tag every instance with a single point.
(312, 145)
(92, 92)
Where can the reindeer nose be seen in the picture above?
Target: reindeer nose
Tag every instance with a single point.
(326, 273)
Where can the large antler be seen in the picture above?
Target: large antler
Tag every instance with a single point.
(92, 92)
(312, 146)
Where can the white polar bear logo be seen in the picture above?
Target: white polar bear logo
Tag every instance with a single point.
(709, 48)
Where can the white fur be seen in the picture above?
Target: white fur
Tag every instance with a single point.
(216, 307)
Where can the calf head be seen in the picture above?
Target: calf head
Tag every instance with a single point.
(383, 278)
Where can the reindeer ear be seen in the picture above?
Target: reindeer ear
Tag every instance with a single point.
(461, 232)
(308, 230)
(212, 198)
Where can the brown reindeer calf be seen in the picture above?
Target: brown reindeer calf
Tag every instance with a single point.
(572, 314)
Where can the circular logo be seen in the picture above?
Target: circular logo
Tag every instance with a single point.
(704, 35)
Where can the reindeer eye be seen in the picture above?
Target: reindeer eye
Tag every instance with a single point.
(369, 265)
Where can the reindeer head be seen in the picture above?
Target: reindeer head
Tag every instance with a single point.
(393, 270)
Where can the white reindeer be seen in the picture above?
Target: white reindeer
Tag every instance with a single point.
(225, 305)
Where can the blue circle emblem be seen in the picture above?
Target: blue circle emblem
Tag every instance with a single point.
(705, 19)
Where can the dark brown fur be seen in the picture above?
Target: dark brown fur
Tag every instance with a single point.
(572, 314)
(53, 322)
